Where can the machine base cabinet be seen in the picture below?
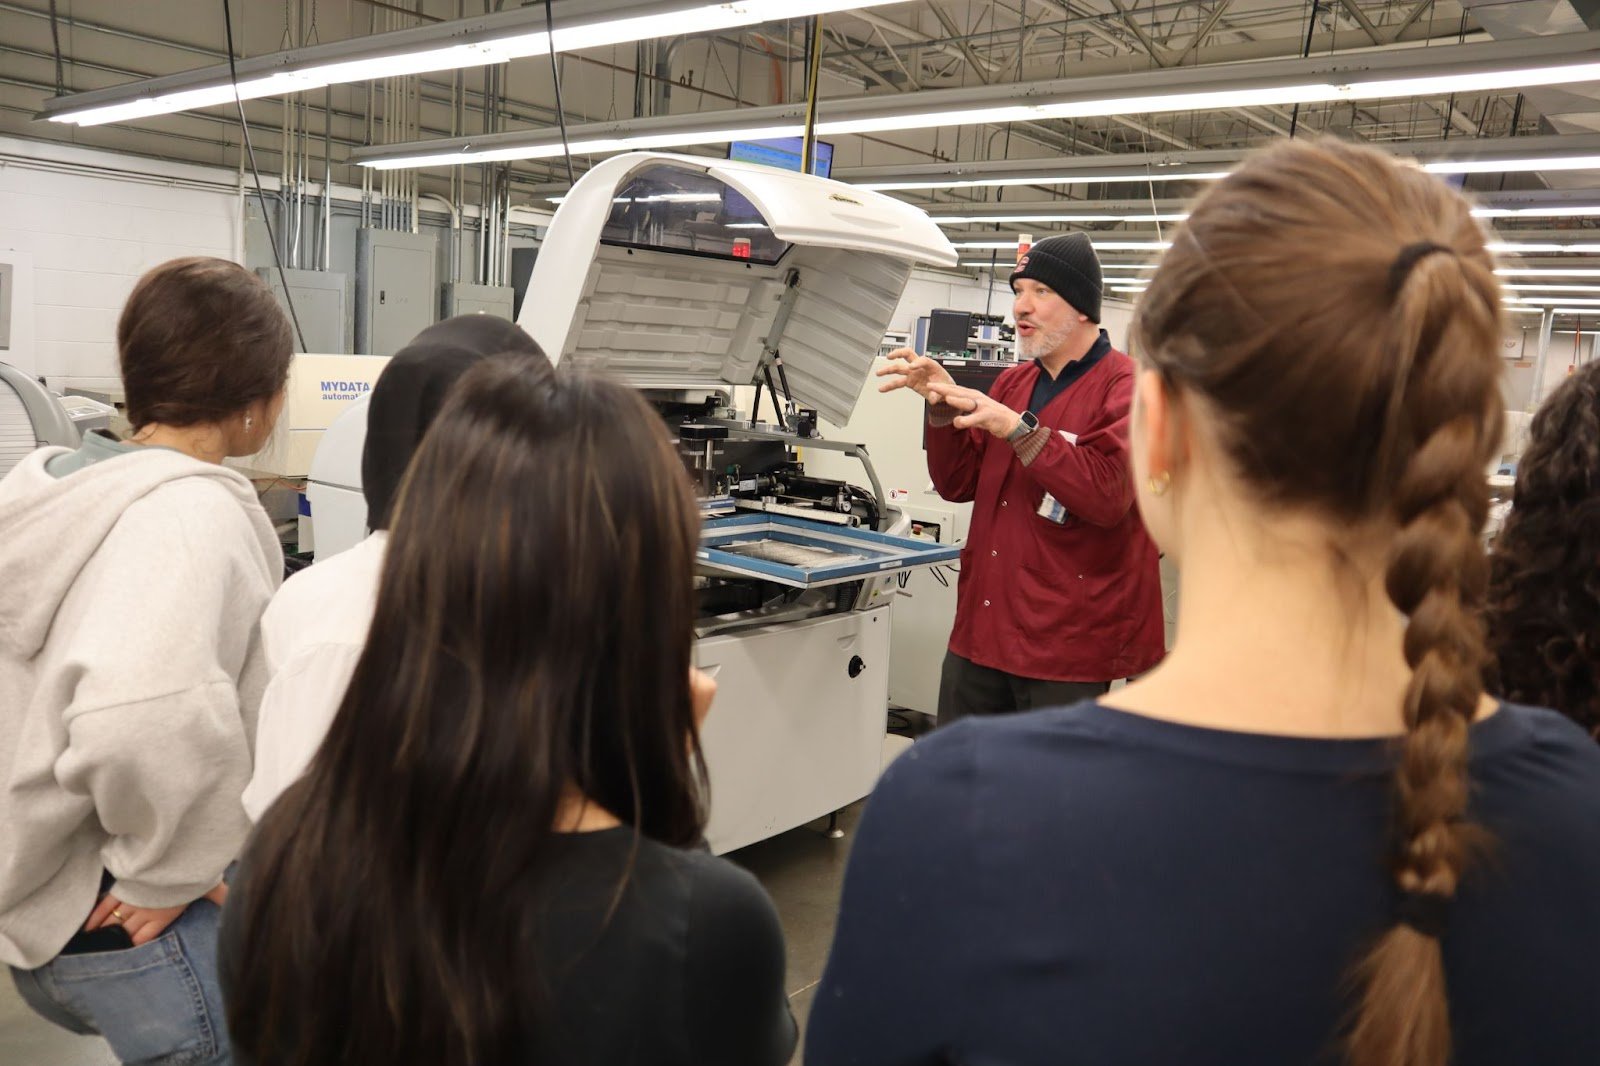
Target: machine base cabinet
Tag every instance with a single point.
(797, 728)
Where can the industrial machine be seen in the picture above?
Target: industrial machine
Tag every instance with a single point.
(946, 333)
(747, 303)
(30, 417)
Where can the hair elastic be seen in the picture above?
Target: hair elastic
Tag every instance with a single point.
(1407, 260)
(1426, 912)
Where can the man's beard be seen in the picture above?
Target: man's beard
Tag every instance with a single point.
(1041, 342)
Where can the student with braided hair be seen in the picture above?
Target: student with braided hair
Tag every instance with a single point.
(1544, 587)
(1308, 836)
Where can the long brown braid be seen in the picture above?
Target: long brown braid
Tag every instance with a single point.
(1338, 314)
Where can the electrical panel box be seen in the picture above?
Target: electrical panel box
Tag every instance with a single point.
(396, 288)
(321, 303)
(522, 260)
(463, 299)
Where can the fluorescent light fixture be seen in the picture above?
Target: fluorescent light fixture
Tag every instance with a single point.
(1047, 179)
(1086, 211)
(1061, 216)
(1502, 247)
(1561, 59)
(1546, 301)
(1520, 310)
(457, 45)
(1100, 246)
(1490, 154)
(1552, 288)
(1493, 166)
(1112, 273)
(1553, 211)
(1541, 272)
(579, 146)
(745, 225)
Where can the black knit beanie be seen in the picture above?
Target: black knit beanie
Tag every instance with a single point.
(1068, 265)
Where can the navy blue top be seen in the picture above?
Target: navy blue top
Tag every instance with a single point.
(1047, 388)
(1083, 885)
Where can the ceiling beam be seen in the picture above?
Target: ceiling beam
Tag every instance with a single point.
(1361, 20)
(948, 23)
(917, 37)
(1157, 53)
(1205, 31)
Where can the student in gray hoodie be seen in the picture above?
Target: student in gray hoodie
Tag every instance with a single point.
(132, 580)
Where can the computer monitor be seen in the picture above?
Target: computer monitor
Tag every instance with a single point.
(783, 153)
(948, 331)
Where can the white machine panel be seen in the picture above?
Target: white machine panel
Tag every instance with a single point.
(320, 389)
(333, 490)
(639, 275)
(777, 762)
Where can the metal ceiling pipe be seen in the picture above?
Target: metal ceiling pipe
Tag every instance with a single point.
(327, 178)
(661, 91)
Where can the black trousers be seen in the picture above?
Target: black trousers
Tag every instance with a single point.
(967, 688)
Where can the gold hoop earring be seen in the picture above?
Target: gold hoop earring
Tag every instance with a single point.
(1159, 484)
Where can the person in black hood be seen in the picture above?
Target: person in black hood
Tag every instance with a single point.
(410, 391)
(315, 627)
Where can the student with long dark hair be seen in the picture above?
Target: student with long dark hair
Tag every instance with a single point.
(133, 575)
(1544, 585)
(1308, 836)
(492, 857)
(313, 631)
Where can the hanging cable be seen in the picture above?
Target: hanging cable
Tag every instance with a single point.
(555, 76)
(266, 216)
(1311, 29)
(55, 39)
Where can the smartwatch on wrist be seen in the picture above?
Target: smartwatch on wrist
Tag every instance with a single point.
(1028, 423)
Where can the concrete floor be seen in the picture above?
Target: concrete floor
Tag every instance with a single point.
(802, 870)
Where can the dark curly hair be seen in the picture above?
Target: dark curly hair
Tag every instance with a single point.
(1544, 593)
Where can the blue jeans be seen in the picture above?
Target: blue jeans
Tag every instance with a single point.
(158, 1004)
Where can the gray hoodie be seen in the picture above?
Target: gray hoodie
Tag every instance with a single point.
(131, 593)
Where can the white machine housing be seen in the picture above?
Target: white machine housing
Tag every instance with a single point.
(673, 320)
(798, 727)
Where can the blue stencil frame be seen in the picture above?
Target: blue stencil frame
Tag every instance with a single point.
(883, 554)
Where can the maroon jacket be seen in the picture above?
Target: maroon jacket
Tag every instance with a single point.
(1078, 601)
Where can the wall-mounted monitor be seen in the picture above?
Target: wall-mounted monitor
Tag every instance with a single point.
(783, 153)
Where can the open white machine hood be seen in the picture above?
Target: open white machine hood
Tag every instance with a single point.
(669, 272)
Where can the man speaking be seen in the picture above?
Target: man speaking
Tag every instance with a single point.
(1060, 590)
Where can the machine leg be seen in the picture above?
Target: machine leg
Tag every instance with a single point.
(833, 832)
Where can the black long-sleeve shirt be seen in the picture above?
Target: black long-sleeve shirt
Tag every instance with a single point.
(1088, 886)
(687, 970)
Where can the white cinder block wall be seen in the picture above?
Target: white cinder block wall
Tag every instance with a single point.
(90, 223)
